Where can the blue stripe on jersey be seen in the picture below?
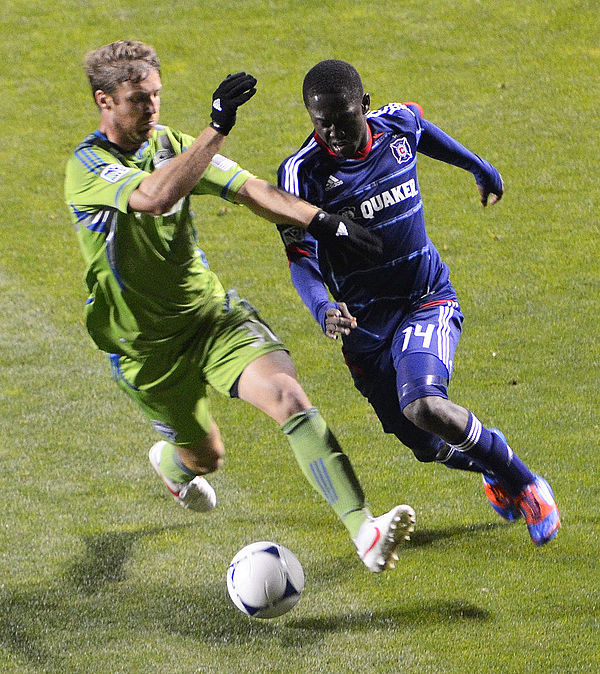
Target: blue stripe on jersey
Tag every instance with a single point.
(386, 109)
(111, 250)
(98, 222)
(90, 159)
(357, 191)
(117, 372)
(80, 215)
(225, 190)
(123, 184)
(408, 214)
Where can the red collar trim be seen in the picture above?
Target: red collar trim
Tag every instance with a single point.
(361, 154)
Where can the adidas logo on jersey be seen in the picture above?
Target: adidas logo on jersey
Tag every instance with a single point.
(333, 182)
(342, 230)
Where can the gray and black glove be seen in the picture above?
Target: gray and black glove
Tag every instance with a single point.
(346, 242)
(233, 91)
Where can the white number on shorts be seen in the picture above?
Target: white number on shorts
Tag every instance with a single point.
(426, 334)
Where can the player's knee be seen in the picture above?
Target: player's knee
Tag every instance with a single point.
(426, 413)
(288, 396)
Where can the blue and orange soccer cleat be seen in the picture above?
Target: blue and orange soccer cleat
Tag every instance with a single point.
(536, 504)
(500, 500)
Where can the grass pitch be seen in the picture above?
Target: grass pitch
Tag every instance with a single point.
(99, 570)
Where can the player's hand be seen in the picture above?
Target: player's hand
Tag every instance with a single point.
(490, 185)
(346, 242)
(233, 91)
(339, 321)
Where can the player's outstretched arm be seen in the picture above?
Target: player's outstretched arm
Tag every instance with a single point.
(337, 233)
(163, 188)
(437, 144)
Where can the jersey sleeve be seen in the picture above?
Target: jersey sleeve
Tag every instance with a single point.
(94, 178)
(437, 144)
(222, 178)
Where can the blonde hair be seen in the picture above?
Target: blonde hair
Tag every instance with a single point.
(121, 61)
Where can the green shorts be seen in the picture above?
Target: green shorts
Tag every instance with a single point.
(176, 402)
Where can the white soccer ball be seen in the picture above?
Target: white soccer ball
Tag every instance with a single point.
(265, 580)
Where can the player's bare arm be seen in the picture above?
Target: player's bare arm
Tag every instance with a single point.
(160, 191)
(163, 188)
(339, 321)
(336, 232)
(274, 204)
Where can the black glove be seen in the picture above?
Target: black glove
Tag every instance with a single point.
(346, 242)
(233, 91)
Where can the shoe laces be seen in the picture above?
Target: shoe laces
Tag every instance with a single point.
(530, 505)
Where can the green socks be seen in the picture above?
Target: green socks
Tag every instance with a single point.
(326, 467)
(172, 467)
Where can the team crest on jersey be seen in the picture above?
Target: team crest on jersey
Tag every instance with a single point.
(348, 212)
(114, 172)
(401, 150)
(162, 156)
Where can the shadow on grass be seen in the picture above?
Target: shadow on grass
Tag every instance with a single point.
(424, 537)
(432, 613)
(105, 558)
(43, 624)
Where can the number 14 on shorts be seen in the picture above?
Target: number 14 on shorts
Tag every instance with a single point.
(417, 330)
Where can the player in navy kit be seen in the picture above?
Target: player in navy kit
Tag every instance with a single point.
(399, 319)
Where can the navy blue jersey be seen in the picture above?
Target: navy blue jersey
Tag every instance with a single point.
(380, 191)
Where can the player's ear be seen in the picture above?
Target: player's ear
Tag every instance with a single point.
(103, 100)
(366, 103)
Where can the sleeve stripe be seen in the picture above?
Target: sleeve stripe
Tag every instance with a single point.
(291, 166)
(225, 190)
(124, 184)
(90, 160)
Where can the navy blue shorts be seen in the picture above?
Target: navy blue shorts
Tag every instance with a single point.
(416, 363)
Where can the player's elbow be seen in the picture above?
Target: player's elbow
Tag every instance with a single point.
(160, 207)
(153, 204)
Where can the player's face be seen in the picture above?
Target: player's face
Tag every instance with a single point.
(131, 113)
(340, 121)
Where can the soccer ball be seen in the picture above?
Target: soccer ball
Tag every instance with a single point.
(265, 580)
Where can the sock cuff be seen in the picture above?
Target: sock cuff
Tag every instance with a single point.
(172, 466)
(472, 434)
(298, 419)
(179, 463)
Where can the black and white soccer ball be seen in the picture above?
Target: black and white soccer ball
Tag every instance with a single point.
(265, 580)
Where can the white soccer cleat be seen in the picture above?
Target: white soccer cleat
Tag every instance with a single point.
(378, 537)
(196, 495)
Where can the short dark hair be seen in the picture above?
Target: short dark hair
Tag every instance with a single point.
(332, 77)
(121, 61)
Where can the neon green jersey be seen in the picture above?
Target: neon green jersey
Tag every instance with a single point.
(149, 283)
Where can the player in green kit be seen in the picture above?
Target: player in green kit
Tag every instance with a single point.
(164, 318)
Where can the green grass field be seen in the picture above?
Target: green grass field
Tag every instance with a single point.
(99, 570)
